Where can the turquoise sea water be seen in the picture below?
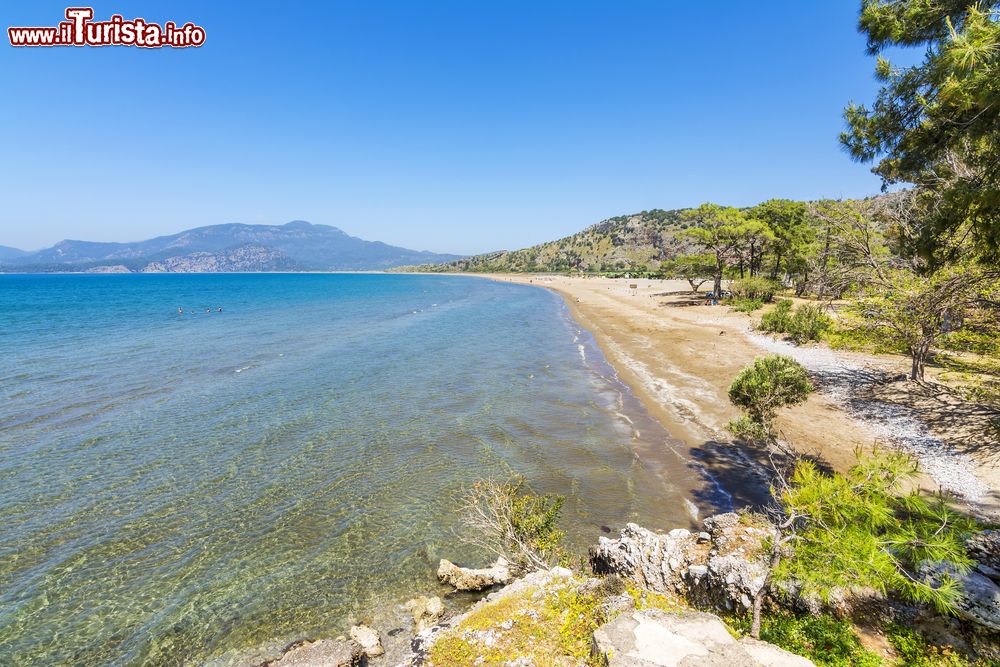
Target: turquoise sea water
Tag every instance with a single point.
(188, 488)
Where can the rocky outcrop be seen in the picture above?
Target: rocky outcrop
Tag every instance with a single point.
(467, 579)
(652, 637)
(368, 640)
(979, 602)
(984, 548)
(322, 653)
(723, 567)
(426, 612)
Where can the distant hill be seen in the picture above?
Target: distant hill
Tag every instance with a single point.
(296, 246)
(638, 242)
(10, 253)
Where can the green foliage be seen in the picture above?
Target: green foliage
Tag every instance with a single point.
(771, 383)
(937, 124)
(805, 323)
(857, 532)
(825, 640)
(915, 651)
(696, 269)
(746, 428)
(535, 519)
(808, 323)
(912, 311)
(790, 234)
(779, 319)
(760, 289)
(505, 518)
(745, 305)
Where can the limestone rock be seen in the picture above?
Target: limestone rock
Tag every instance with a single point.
(771, 655)
(322, 653)
(724, 571)
(468, 579)
(426, 611)
(370, 642)
(980, 600)
(653, 638)
(655, 561)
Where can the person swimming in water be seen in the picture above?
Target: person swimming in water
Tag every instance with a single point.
(180, 311)
(220, 309)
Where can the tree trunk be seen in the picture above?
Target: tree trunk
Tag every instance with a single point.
(777, 265)
(758, 598)
(717, 287)
(919, 355)
(824, 276)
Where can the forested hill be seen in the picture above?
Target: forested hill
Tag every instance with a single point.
(637, 242)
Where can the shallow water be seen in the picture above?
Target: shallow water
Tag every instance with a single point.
(182, 488)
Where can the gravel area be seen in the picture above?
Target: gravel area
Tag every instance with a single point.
(841, 377)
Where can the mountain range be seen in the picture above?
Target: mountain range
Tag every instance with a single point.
(296, 246)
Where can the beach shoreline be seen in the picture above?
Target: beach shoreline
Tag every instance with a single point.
(679, 356)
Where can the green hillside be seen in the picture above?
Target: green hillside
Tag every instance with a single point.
(636, 242)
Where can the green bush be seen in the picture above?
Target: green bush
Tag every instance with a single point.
(823, 639)
(772, 383)
(745, 305)
(757, 288)
(805, 323)
(777, 321)
(808, 323)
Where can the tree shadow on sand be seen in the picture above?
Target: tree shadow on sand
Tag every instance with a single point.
(681, 298)
(967, 427)
(742, 473)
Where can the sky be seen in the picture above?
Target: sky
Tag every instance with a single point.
(450, 126)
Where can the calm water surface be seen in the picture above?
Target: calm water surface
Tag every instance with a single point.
(188, 488)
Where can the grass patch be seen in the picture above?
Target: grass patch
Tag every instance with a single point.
(745, 305)
(649, 600)
(823, 639)
(913, 650)
(551, 627)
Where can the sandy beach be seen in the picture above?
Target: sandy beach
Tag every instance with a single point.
(679, 357)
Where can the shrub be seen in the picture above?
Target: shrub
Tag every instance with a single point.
(856, 531)
(505, 518)
(757, 288)
(745, 305)
(777, 320)
(805, 323)
(771, 383)
(808, 323)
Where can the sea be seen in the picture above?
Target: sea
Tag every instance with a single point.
(196, 469)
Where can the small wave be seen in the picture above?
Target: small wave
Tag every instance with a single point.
(583, 352)
(240, 370)
(692, 509)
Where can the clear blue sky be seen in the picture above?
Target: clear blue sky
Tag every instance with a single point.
(459, 126)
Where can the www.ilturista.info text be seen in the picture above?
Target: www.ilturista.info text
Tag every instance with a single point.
(80, 30)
